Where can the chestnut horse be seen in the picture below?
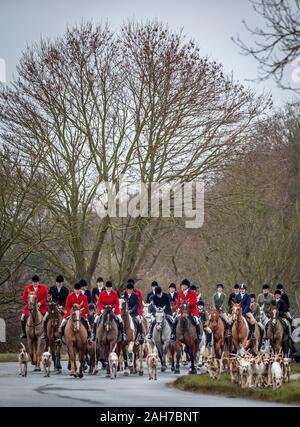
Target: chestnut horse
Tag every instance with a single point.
(76, 340)
(240, 331)
(186, 334)
(240, 328)
(276, 333)
(34, 331)
(54, 320)
(217, 327)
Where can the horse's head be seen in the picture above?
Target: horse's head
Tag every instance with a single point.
(214, 317)
(274, 314)
(75, 316)
(32, 301)
(107, 318)
(53, 313)
(123, 305)
(236, 311)
(185, 309)
(160, 317)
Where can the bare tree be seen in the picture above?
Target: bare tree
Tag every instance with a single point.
(277, 45)
(95, 106)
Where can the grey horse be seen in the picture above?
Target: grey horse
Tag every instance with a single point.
(161, 337)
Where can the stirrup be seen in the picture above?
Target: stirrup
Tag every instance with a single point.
(123, 336)
(58, 341)
(23, 335)
(172, 337)
(149, 336)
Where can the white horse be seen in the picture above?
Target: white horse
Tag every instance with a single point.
(161, 337)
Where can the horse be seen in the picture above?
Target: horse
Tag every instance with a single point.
(76, 340)
(161, 338)
(126, 347)
(276, 333)
(186, 334)
(34, 331)
(240, 331)
(217, 327)
(107, 336)
(54, 320)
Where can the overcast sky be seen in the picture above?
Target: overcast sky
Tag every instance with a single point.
(210, 23)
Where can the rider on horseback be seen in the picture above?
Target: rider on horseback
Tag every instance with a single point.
(265, 299)
(59, 295)
(219, 303)
(76, 297)
(41, 293)
(186, 294)
(283, 310)
(245, 301)
(204, 317)
(159, 299)
(133, 305)
(285, 298)
(109, 297)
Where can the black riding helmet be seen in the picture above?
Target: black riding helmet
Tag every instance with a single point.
(185, 282)
(108, 284)
(59, 279)
(129, 286)
(157, 290)
(78, 285)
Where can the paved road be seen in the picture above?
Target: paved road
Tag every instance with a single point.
(63, 390)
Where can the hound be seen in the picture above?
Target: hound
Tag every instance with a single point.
(245, 373)
(214, 367)
(259, 371)
(46, 362)
(234, 370)
(113, 364)
(23, 361)
(276, 375)
(152, 361)
(286, 361)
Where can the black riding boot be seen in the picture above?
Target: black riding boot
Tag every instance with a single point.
(140, 330)
(23, 328)
(173, 334)
(151, 330)
(88, 328)
(45, 336)
(198, 330)
(251, 331)
(60, 335)
(121, 328)
(208, 337)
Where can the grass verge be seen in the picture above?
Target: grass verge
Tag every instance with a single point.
(288, 393)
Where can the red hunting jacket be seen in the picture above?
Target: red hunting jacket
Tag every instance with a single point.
(42, 292)
(73, 299)
(108, 299)
(191, 298)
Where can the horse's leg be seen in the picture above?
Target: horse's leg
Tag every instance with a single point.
(30, 349)
(81, 357)
(130, 356)
(172, 348)
(126, 369)
(141, 354)
(193, 370)
(72, 360)
(178, 355)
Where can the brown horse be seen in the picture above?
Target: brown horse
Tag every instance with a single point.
(107, 336)
(240, 331)
(127, 347)
(186, 334)
(276, 333)
(54, 320)
(34, 331)
(240, 328)
(76, 340)
(217, 327)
